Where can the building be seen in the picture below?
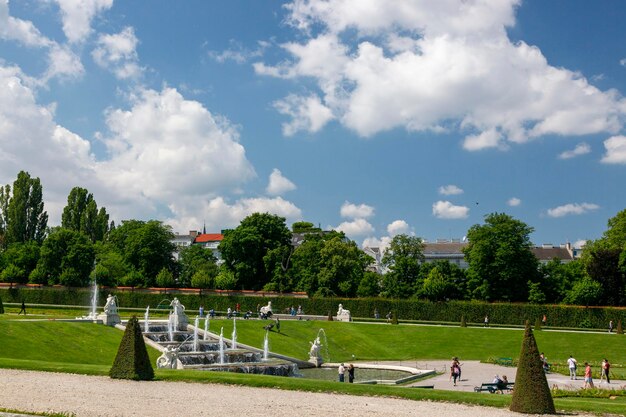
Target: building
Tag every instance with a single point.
(210, 241)
(183, 241)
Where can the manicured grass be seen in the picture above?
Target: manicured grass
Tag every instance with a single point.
(87, 348)
(384, 342)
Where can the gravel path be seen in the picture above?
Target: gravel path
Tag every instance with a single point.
(101, 396)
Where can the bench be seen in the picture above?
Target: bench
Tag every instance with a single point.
(492, 388)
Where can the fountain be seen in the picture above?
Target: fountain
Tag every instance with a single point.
(195, 334)
(266, 345)
(315, 353)
(205, 337)
(170, 329)
(146, 320)
(94, 300)
(221, 342)
(234, 337)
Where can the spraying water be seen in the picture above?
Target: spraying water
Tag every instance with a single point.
(234, 338)
(170, 329)
(206, 329)
(322, 335)
(222, 346)
(146, 320)
(94, 300)
(266, 345)
(195, 334)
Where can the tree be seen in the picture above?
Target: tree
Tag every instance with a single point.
(369, 285)
(194, 259)
(110, 265)
(556, 279)
(165, 279)
(403, 259)
(305, 227)
(25, 217)
(81, 214)
(602, 264)
(500, 259)
(132, 360)
(145, 246)
(13, 274)
(532, 393)
(442, 280)
(5, 196)
(22, 255)
(436, 287)
(342, 267)
(244, 248)
(67, 257)
(277, 263)
(226, 280)
(585, 292)
(202, 279)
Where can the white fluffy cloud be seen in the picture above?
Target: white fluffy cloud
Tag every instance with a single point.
(572, 209)
(615, 150)
(580, 149)
(433, 65)
(78, 14)
(447, 210)
(356, 227)
(118, 54)
(23, 31)
(450, 190)
(279, 184)
(353, 211)
(307, 113)
(63, 63)
(398, 227)
(514, 202)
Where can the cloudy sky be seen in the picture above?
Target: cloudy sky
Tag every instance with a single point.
(375, 117)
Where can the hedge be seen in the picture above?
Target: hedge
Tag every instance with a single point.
(406, 309)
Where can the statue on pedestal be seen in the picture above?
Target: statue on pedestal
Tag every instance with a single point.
(343, 314)
(110, 317)
(169, 358)
(315, 355)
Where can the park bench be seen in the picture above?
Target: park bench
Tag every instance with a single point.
(492, 387)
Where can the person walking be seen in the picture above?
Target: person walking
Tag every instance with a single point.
(23, 309)
(572, 364)
(341, 371)
(606, 367)
(351, 373)
(610, 326)
(277, 324)
(486, 322)
(588, 378)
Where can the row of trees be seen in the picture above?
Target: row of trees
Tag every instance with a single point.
(259, 254)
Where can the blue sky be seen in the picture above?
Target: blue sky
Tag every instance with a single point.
(374, 117)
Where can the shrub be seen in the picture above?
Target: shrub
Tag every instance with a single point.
(226, 280)
(202, 279)
(165, 279)
(463, 322)
(538, 324)
(1, 306)
(620, 329)
(532, 393)
(394, 318)
(132, 360)
(13, 274)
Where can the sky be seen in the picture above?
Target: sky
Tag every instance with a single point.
(374, 117)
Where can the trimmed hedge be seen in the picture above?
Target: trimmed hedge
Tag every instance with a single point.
(132, 360)
(406, 309)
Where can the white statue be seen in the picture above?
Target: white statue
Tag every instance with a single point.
(266, 309)
(111, 306)
(343, 314)
(315, 348)
(169, 358)
(177, 306)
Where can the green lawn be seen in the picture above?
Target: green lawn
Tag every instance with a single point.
(88, 348)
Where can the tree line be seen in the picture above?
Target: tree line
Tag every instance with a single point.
(259, 254)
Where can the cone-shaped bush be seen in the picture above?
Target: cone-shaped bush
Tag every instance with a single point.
(620, 329)
(330, 316)
(1, 306)
(532, 393)
(463, 322)
(132, 360)
(394, 318)
(538, 324)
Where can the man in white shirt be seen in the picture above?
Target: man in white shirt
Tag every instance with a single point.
(342, 371)
(572, 364)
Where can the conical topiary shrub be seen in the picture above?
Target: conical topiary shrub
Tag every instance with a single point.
(132, 360)
(620, 329)
(532, 393)
(463, 322)
(330, 316)
(1, 306)
(394, 318)
(538, 324)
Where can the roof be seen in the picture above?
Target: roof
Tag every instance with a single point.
(444, 248)
(209, 237)
(547, 254)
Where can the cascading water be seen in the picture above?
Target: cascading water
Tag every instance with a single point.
(234, 338)
(206, 329)
(221, 342)
(170, 328)
(266, 345)
(322, 335)
(195, 334)
(146, 320)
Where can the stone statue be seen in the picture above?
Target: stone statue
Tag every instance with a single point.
(169, 358)
(315, 355)
(177, 306)
(177, 316)
(111, 306)
(343, 314)
(266, 310)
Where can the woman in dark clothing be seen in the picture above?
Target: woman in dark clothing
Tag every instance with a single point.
(351, 373)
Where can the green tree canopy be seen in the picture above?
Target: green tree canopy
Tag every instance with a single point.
(145, 246)
(402, 259)
(24, 217)
(194, 259)
(500, 259)
(66, 254)
(244, 248)
(81, 214)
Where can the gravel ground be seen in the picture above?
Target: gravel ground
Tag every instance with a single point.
(101, 396)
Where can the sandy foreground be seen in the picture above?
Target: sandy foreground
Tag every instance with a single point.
(101, 396)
